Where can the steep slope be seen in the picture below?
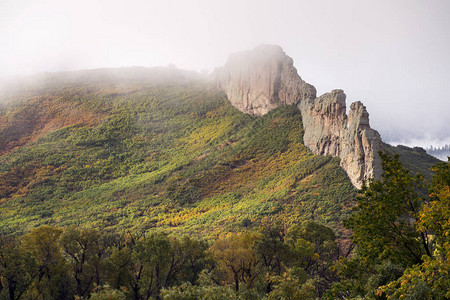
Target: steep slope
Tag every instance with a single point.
(260, 80)
(167, 153)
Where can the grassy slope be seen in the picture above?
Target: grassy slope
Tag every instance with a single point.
(173, 155)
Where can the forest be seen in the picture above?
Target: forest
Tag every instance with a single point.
(400, 231)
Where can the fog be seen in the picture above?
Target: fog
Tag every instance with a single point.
(391, 55)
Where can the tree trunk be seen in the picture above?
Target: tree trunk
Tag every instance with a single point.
(12, 290)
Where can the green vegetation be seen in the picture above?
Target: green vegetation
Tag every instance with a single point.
(175, 156)
(54, 263)
(103, 183)
(414, 159)
(402, 252)
(402, 238)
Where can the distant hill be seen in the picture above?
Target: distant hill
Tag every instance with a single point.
(414, 159)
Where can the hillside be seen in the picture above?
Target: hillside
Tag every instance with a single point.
(150, 184)
(158, 148)
(414, 159)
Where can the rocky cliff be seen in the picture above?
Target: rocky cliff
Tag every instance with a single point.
(330, 131)
(260, 80)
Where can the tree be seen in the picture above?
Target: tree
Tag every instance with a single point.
(314, 250)
(51, 273)
(188, 259)
(119, 268)
(237, 258)
(107, 293)
(15, 265)
(436, 214)
(273, 252)
(401, 235)
(84, 249)
(430, 279)
(384, 220)
(291, 287)
(206, 289)
(152, 257)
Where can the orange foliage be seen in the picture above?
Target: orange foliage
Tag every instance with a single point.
(39, 116)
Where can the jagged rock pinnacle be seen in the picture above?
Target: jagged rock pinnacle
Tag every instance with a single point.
(260, 80)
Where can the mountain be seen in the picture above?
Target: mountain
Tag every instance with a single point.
(159, 183)
(260, 80)
(139, 148)
(127, 152)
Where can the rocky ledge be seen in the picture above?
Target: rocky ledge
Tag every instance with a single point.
(260, 80)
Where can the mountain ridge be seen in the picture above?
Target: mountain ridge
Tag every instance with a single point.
(264, 78)
(175, 156)
(170, 153)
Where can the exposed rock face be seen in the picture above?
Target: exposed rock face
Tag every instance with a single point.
(329, 131)
(260, 80)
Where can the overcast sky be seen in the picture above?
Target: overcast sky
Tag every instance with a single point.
(394, 56)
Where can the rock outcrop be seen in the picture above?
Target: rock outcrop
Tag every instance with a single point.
(330, 131)
(260, 80)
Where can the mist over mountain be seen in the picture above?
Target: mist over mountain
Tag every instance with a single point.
(398, 67)
(411, 138)
(77, 134)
